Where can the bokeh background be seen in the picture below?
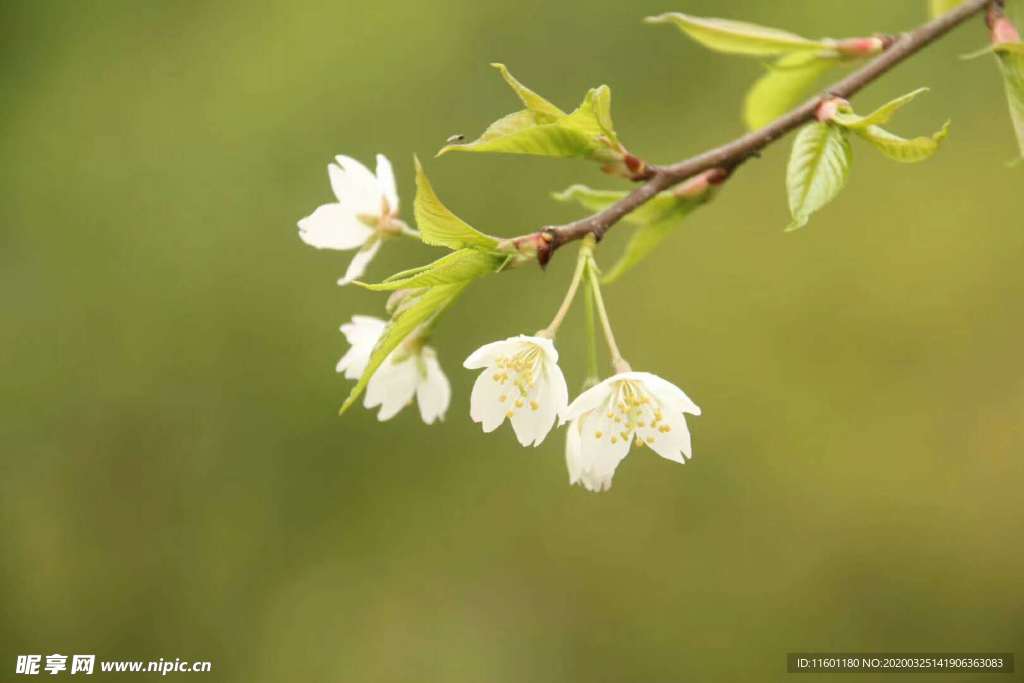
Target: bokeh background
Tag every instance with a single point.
(175, 481)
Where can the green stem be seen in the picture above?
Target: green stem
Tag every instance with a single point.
(563, 310)
(593, 374)
(618, 362)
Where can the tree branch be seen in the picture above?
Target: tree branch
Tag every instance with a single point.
(721, 161)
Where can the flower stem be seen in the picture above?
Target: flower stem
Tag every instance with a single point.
(618, 362)
(593, 374)
(577, 276)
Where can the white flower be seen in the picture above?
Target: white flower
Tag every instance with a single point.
(630, 407)
(593, 473)
(411, 370)
(362, 333)
(365, 213)
(521, 381)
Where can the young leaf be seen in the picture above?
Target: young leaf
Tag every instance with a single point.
(892, 146)
(848, 119)
(939, 7)
(424, 308)
(738, 37)
(787, 82)
(818, 168)
(1011, 63)
(440, 227)
(997, 48)
(463, 265)
(654, 220)
(542, 129)
(903, 150)
(404, 274)
(544, 111)
(646, 238)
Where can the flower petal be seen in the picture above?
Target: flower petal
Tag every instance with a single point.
(485, 405)
(392, 387)
(597, 482)
(673, 444)
(363, 328)
(386, 183)
(558, 388)
(433, 393)
(602, 448)
(588, 400)
(665, 391)
(487, 354)
(362, 333)
(357, 266)
(333, 226)
(353, 363)
(529, 424)
(354, 186)
(534, 415)
(546, 345)
(573, 452)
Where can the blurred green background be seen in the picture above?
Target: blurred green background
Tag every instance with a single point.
(175, 480)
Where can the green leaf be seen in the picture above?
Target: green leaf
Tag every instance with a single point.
(422, 310)
(788, 81)
(440, 227)
(540, 107)
(738, 37)
(654, 220)
(463, 265)
(403, 274)
(818, 169)
(903, 150)
(542, 129)
(601, 101)
(847, 119)
(891, 145)
(644, 240)
(997, 48)
(1009, 48)
(1011, 64)
(939, 7)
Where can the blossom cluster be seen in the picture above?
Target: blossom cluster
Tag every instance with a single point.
(519, 381)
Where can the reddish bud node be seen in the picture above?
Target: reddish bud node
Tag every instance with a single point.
(828, 108)
(701, 183)
(1003, 31)
(546, 243)
(635, 164)
(861, 47)
(717, 176)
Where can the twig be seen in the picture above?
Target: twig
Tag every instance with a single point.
(727, 157)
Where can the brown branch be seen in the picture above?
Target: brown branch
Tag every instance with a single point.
(726, 158)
